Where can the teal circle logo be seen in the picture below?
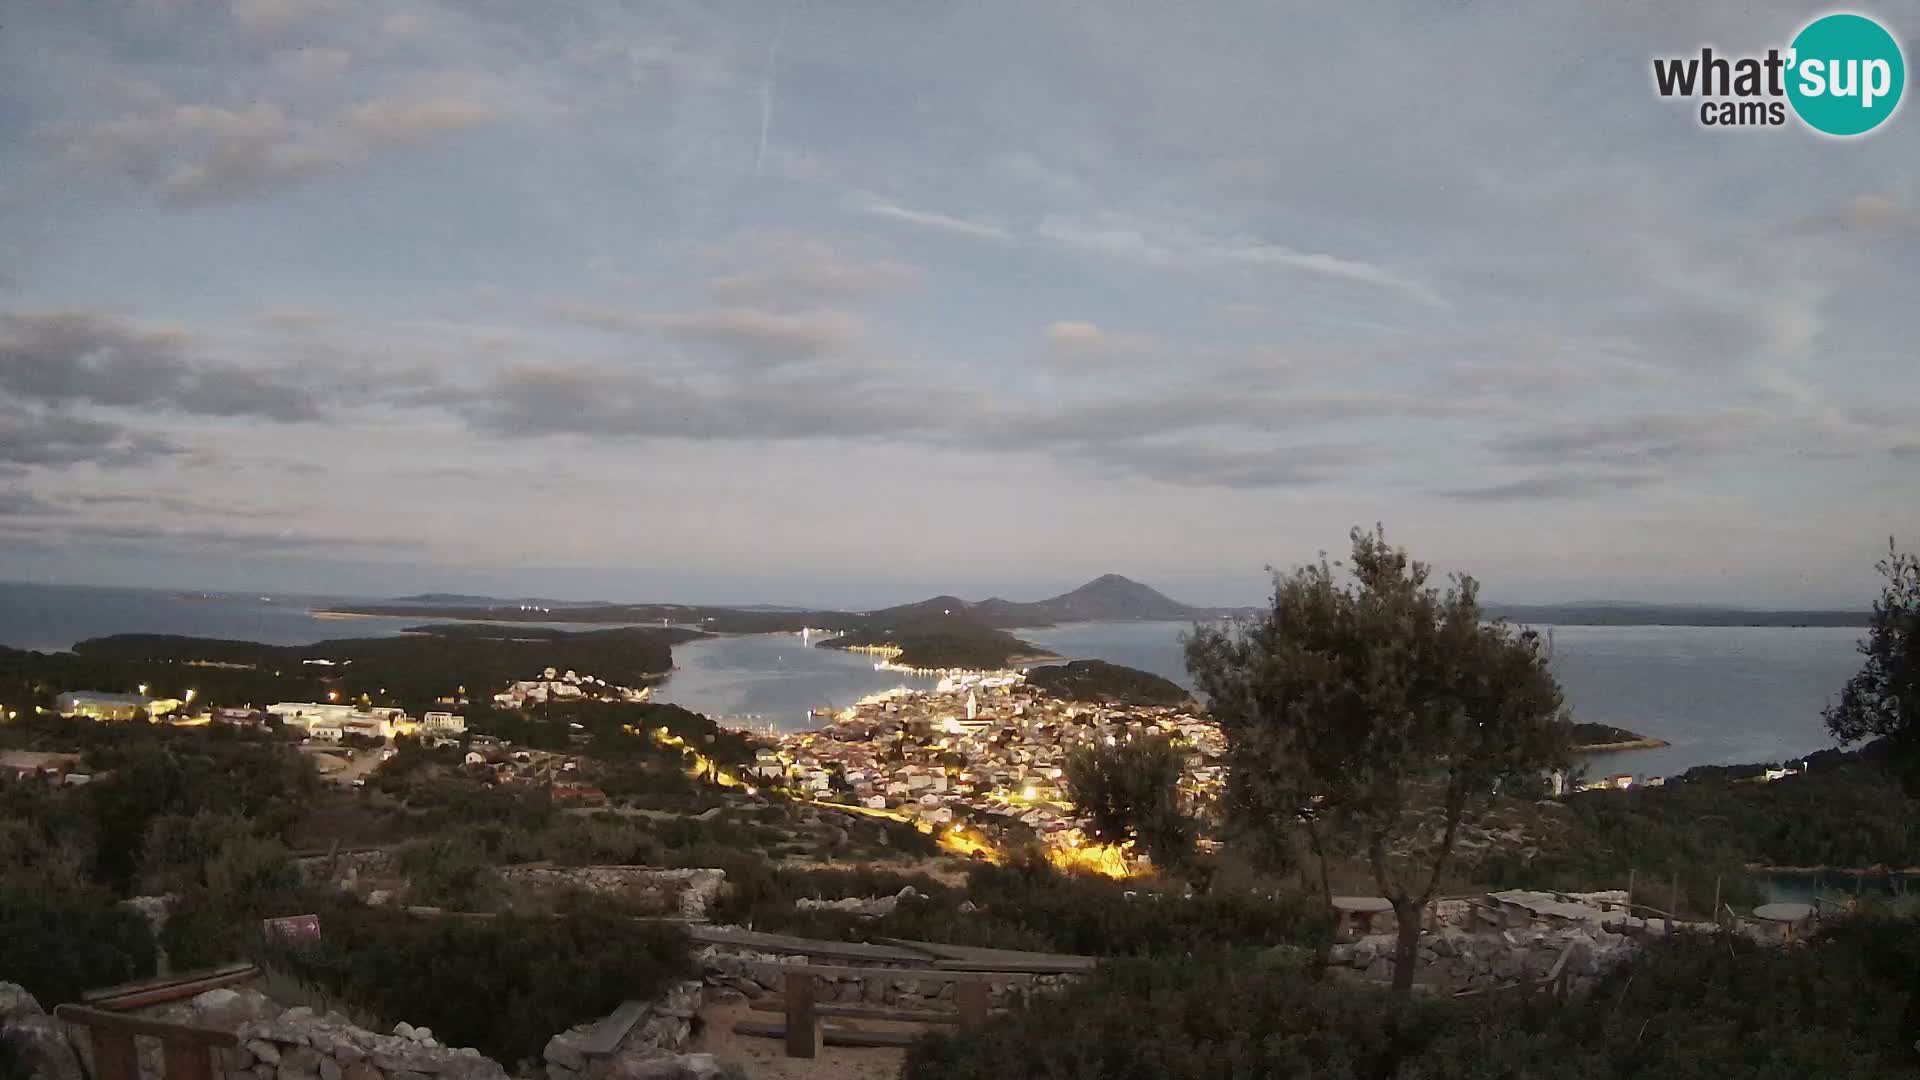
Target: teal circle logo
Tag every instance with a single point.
(1845, 74)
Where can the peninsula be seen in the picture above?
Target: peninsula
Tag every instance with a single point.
(1602, 739)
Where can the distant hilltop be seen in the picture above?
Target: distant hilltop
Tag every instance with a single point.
(1107, 598)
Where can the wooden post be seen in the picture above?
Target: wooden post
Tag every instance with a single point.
(972, 999)
(113, 1055)
(187, 1060)
(803, 1028)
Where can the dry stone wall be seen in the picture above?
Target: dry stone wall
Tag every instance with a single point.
(654, 1048)
(686, 894)
(728, 971)
(300, 1044)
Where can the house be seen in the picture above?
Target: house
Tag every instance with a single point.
(443, 723)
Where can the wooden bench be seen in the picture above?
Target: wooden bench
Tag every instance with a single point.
(188, 1050)
(802, 1029)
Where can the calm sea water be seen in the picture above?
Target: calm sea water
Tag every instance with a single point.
(1719, 695)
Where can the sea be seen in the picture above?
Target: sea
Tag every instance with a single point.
(1718, 695)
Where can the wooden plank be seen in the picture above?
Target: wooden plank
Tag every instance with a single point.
(990, 959)
(831, 1036)
(1026, 967)
(861, 1012)
(605, 1037)
(122, 1024)
(169, 981)
(972, 999)
(799, 946)
(802, 1027)
(826, 971)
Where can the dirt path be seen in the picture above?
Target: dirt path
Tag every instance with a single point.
(766, 1059)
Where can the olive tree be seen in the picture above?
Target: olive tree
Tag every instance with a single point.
(1378, 712)
(1883, 697)
(1130, 793)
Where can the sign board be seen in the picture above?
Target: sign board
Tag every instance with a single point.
(293, 930)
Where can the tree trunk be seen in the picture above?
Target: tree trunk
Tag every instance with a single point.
(1406, 946)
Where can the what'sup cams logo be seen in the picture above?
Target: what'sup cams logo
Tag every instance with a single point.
(1842, 75)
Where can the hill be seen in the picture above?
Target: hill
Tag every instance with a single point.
(942, 642)
(1100, 682)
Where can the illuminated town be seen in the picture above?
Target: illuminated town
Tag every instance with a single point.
(980, 760)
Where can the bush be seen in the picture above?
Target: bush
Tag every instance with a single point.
(60, 936)
(1695, 1008)
(503, 985)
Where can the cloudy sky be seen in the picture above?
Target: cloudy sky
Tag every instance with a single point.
(837, 302)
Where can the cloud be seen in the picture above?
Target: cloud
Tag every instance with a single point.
(1563, 484)
(761, 336)
(786, 270)
(192, 154)
(59, 440)
(1084, 348)
(1659, 439)
(863, 202)
(1163, 243)
(72, 357)
(18, 503)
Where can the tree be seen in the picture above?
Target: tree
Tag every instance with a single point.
(1381, 711)
(1130, 792)
(1883, 697)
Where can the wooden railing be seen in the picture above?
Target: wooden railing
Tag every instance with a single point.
(802, 1030)
(188, 1050)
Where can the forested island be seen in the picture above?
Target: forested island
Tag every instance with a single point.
(1602, 738)
(1100, 681)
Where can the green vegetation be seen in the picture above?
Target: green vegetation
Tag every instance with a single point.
(1382, 711)
(411, 671)
(1099, 681)
(1130, 793)
(941, 642)
(1585, 736)
(503, 985)
(1845, 811)
(1883, 698)
(1694, 1008)
(1028, 904)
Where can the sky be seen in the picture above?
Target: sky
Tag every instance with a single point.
(850, 303)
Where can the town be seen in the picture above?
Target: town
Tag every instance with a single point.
(981, 757)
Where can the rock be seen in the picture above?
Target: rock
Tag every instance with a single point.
(240, 1058)
(330, 1069)
(264, 1071)
(403, 1029)
(700, 1067)
(304, 1060)
(295, 1074)
(564, 1051)
(39, 1042)
(361, 1071)
(406, 1074)
(296, 1015)
(268, 1053)
(423, 1034)
(216, 999)
(15, 1001)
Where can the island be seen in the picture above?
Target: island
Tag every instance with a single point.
(1099, 682)
(941, 643)
(1601, 739)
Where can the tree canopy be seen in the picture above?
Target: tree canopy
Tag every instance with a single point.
(1883, 697)
(1130, 794)
(1371, 704)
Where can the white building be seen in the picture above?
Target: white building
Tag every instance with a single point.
(441, 723)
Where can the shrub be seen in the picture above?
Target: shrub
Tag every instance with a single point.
(504, 985)
(60, 936)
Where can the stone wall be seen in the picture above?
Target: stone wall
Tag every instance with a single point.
(728, 973)
(686, 894)
(353, 871)
(654, 1047)
(299, 1044)
(39, 1040)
